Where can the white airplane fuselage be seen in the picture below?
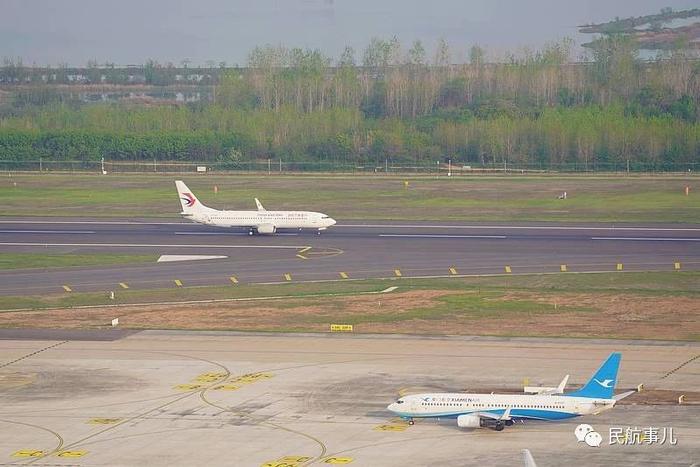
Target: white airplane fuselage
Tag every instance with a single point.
(254, 219)
(522, 406)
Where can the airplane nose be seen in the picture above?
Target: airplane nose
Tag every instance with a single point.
(331, 221)
(391, 406)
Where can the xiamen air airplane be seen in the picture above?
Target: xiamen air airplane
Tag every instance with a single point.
(261, 221)
(500, 410)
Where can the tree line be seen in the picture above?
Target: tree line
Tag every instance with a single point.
(396, 102)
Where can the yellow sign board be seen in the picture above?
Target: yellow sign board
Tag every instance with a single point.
(341, 327)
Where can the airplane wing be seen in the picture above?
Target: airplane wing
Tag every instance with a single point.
(548, 391)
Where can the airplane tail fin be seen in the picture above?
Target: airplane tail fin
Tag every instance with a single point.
(190, 203)
(602, 384)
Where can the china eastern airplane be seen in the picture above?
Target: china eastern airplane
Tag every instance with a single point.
(500, 410)
(260, 221)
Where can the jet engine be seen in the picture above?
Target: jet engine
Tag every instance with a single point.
(469, 421)
(266, 229)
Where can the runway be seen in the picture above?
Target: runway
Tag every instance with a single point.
(349, 250)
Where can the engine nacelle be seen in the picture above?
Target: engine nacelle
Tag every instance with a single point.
(266, 229)
(469, 421)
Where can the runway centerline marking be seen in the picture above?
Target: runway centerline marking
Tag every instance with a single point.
(499, 237)
(648, 239)
(524, 227)
(49, 231)
(148, 245)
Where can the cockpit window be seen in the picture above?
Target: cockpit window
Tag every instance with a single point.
(324, 217)
(399, 401)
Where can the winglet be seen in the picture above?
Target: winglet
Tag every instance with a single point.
(259, 204)
(562, 385)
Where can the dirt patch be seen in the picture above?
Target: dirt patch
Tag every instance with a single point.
(289, 313)
(579, 315)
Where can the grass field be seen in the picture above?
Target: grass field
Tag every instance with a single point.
(479, 198)
(630, 305)
(44, 260)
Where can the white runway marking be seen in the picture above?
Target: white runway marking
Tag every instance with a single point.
(148, 245)
(523, 227)
(500, 237)
(173, 258)
(49, 231)
(649, 239)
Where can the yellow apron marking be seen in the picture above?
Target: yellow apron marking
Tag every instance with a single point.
(619, 266)
(453, 271)
(397, 272)
(226, 387)
(251, 378)
(390, 427)
(233, 280)
(302, 257)
(123, 285)
(508, 270)
(344, 275)
(188, 387)
(72, 453)
(304, 250)
(341, 327)
(563, 268)
(208, 378)
(287, 461)
(338, 460)
(28, 453)
(67, 289)
(103, 421)
(677, 266)
(178, 282)
(288, 277)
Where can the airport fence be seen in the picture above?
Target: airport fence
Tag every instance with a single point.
(384, 167)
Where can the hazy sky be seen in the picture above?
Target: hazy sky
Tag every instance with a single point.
(130, 31)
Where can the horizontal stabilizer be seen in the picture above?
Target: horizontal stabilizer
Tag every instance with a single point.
(622, 395)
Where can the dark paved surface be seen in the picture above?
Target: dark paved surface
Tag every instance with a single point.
(359, 249)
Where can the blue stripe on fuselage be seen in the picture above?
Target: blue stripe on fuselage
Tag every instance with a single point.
(535, 414)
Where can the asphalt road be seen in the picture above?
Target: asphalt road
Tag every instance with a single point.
(356, 249)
